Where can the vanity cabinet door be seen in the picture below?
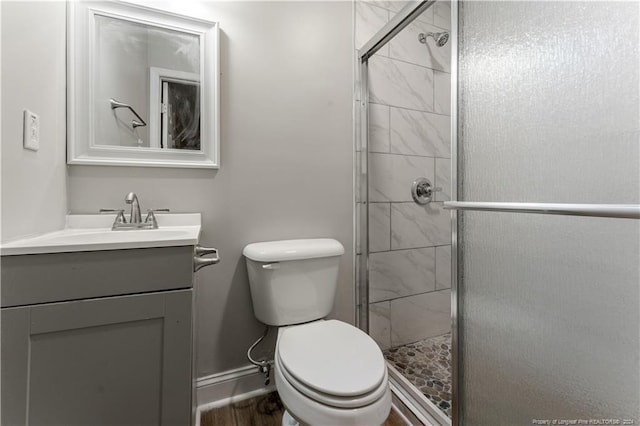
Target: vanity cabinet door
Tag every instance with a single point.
(112, 361)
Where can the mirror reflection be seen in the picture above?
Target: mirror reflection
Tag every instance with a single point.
(146, 86)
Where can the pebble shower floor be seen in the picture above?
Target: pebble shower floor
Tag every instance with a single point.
(427, 365)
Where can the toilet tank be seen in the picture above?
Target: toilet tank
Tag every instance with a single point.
(293, 281)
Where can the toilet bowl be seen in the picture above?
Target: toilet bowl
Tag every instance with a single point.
(331, 373)
(327, 372)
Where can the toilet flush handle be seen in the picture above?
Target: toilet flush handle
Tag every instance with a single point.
(275, 265)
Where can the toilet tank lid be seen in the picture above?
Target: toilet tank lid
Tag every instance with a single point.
(276, 251)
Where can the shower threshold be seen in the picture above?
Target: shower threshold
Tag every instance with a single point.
(426, 364)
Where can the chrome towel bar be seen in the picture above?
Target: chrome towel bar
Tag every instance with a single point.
(199, 261)
(134, 123)
(623, 211)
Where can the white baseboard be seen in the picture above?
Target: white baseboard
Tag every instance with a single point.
(227, 387)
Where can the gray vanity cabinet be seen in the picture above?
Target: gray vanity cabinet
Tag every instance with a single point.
(116, 360)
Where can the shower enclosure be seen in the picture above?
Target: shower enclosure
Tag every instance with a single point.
(405, 159)
(536, 147)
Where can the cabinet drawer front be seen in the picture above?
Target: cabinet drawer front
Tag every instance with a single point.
(65, 316)
(43, 278)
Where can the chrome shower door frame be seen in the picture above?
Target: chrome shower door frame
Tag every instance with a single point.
(423, 410)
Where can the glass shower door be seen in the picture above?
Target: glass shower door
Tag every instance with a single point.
(548, 305)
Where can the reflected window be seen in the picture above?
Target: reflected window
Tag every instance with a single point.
(180, 111)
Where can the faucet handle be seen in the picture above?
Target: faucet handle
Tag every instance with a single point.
(120, 218)
(151, 217)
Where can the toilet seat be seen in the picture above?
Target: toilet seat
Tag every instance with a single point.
(332, 363)
(307, 411)
(333, 400)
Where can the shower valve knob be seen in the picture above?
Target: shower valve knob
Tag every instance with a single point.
(422, 191)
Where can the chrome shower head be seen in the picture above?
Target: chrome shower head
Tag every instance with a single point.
(440, 38)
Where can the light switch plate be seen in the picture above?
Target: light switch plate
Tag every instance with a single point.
(31, 131)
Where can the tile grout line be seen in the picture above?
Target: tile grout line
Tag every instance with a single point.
(390, 323)
(412, 248)
(389, 133)
(394, 12)
(435, 251)
(390, 227)
(410, 63)
(389, 108)
(391, 67)
(409, 248)
(436, 290)
(408, 155)
(412, 109)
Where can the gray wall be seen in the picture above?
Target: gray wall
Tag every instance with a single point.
(286, 155)
(34, 195)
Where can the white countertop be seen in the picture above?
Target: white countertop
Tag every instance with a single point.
(93, 232)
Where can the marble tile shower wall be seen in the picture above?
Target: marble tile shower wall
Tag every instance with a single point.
(409, 137)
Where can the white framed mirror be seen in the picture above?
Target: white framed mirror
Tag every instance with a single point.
(142, 87)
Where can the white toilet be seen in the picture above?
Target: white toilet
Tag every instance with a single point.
(327, 372)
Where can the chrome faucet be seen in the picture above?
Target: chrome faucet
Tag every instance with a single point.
(135, 216)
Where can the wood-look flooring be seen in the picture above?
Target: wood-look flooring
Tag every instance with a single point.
(261, 411)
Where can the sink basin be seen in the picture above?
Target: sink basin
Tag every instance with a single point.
(93, 232)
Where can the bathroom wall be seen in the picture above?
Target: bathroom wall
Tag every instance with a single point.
(34, 193)
(286, 149)
(286, 159)
(409, 137)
